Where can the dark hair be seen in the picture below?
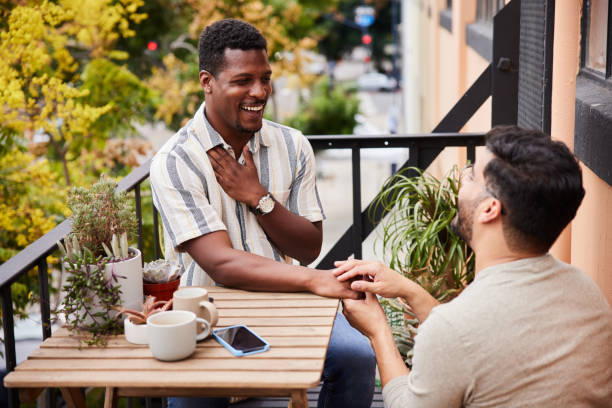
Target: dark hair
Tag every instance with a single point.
(227, 33)
(537, 180)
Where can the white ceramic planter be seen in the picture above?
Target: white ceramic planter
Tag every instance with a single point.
(135, 333)
(129, 276)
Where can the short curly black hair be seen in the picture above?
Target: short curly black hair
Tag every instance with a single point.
(227, 33)
(539, 182)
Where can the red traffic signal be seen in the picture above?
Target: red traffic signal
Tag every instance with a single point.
(366, 39)
(152, 46)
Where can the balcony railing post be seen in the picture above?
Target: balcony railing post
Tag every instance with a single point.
(138, 216)
(45, 304)
(9, 340)
(471, 152)
(357, 226)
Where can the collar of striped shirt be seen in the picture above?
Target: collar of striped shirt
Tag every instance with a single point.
(210, 138)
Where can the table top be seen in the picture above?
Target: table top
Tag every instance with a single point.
(297, 326)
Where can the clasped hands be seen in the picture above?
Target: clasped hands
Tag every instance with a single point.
(372, 278)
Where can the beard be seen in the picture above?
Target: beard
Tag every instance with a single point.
(243, 129)
(463, 222)
(462, 225)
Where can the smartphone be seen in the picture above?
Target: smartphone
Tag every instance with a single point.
(240, 340)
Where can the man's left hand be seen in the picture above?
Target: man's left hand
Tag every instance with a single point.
(241, 182)
(366, 315)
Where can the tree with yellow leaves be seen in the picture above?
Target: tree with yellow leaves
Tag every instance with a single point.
(44, 49)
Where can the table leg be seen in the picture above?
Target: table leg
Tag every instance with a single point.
(298, 399)
(74, 397)
(110, 397)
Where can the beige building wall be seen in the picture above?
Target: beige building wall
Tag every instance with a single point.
(587, 242)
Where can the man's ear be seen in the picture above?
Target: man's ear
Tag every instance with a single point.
(490, 210)
(205, 81)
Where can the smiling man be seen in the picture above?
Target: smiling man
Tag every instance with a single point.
(238, 201)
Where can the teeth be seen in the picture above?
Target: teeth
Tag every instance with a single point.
(253, 108)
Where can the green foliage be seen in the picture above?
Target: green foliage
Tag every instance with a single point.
(329, 111)
(114, 85)
(90, 298)
(420, 244)
(98, 213)
(340, 38)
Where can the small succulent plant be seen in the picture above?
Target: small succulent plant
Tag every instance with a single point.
(150, 307)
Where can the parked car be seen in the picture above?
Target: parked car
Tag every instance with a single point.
(376, 81)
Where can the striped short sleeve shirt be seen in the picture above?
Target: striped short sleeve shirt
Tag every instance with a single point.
(191, 203)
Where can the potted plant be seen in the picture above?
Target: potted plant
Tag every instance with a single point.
(419, 243)
(103, 271)
(135, 324)
(161, 278)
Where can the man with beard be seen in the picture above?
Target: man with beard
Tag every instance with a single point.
(238, 201)
(529, 331)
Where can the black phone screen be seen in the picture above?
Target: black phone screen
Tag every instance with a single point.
(240, 338)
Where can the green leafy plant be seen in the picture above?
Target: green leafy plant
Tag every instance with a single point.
(329, 111)
(102, 220)
(100, 212)
(419, 243)
(89, 295)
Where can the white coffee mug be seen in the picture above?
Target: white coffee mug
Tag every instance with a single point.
(195, 300)
(172, 335)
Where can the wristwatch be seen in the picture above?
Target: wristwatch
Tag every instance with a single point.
(265, 205)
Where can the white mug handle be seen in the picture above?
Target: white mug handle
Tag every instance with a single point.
(206, 332)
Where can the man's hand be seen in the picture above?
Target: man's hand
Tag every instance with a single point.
(238, 181)
(325, 284)
(373, 277)
(366, 315)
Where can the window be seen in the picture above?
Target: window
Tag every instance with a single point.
(595, 53)
(486, 9)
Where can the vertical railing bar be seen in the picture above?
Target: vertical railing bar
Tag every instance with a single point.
(357, 225)
(609, 42)
(138, 216)
(413, 155)
(155, 232)
(148, 402)
(50, 401)
(45, 303)
(471, 152)
(10, 356)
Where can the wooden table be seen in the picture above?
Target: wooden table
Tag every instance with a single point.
(297, 326)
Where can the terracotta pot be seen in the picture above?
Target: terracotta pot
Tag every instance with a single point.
(161, 291)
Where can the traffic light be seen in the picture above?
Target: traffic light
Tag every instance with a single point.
(366, 39)
(152, 46)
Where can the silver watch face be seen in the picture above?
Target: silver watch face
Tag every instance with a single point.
(266, 204)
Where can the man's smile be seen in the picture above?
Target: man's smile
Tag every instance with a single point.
(252, 108)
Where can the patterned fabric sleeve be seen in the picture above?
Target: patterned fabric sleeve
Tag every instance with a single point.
(304, 198)
(180, 196)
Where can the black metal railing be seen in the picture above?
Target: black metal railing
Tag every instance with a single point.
(499, 80)
(423, 148)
